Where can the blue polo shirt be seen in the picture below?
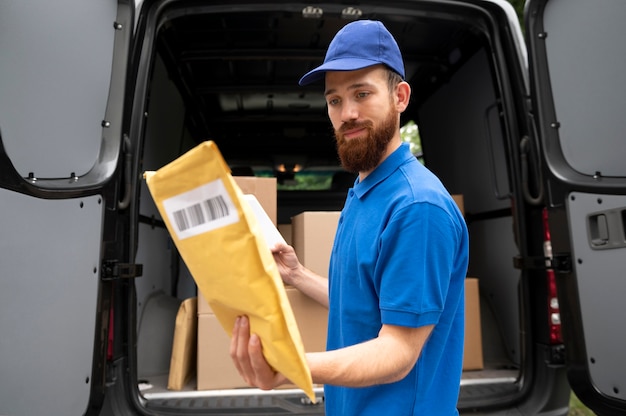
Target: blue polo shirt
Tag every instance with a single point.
(400, 257)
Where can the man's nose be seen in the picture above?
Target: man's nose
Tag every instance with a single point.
(349, 111)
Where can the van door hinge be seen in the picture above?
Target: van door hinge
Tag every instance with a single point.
(114, 270)
(560, 263)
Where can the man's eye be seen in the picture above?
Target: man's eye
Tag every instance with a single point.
(362, 94)
(333, 101)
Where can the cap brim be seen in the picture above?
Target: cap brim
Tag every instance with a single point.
(346, 64)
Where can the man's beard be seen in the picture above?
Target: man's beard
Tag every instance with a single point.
(363, 154)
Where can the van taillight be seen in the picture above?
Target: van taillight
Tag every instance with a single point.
(554, 314)
(110, 336)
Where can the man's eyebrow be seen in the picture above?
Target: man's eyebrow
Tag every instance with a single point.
(351, 87)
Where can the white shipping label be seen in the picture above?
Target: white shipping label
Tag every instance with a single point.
(200, 210)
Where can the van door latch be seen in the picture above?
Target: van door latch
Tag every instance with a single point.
(114, 270)
(560, 263)
(605, 230)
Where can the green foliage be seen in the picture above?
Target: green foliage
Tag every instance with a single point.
(410, 134)
(576, 408)
(308, 181)
(518, 5)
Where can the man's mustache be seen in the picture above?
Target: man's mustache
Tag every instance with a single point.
(350, 125)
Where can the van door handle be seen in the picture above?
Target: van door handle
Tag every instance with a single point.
(598, 230)
(605, 229)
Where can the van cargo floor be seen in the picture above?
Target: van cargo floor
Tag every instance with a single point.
(474, 385)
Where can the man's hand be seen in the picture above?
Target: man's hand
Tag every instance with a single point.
(246, 352)
(287, 262)
(295, 274)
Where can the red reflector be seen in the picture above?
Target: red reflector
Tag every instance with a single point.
(554, 314)
(110, 337)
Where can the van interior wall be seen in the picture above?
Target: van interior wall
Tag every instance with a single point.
(462, 142)
(454, 135)
(165, 281)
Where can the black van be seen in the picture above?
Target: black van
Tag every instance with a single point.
(94, 93)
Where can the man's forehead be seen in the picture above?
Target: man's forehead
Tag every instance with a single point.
(348, 80)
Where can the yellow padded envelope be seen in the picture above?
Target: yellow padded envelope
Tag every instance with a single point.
(219, 238)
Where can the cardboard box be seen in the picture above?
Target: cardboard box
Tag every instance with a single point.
(458, 198)
(264, 189)
(203, 305)
(473, 352)
(215, 368)
(183, 360)
(312, 320)
(286, 231)
(473, 348)
(216, 371)
(313, 234)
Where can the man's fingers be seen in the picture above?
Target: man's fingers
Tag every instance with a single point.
(246, 352)
(264, 374)
(239, 349)
(234, 345)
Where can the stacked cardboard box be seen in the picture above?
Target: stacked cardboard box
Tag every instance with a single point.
(473, 349)
(215, 369)
(312, 235)
(460, 202)
(286, 231)
(264, 189)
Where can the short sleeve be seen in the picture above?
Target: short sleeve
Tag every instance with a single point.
(417, 251)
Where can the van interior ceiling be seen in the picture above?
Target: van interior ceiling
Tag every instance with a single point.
(231, 77)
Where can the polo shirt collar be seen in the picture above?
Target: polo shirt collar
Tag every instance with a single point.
(399, 156)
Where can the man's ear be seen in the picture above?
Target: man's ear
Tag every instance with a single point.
(403, 95)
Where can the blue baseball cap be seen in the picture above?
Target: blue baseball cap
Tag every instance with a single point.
(356, 46)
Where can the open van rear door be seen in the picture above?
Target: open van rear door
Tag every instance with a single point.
(577, 53)
(62, 75)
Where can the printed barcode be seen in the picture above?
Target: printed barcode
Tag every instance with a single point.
(201, 210)
(201, 213)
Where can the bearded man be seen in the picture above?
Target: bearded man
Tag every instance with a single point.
(395, 289)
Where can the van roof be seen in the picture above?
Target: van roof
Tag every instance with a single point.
(238, 72)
